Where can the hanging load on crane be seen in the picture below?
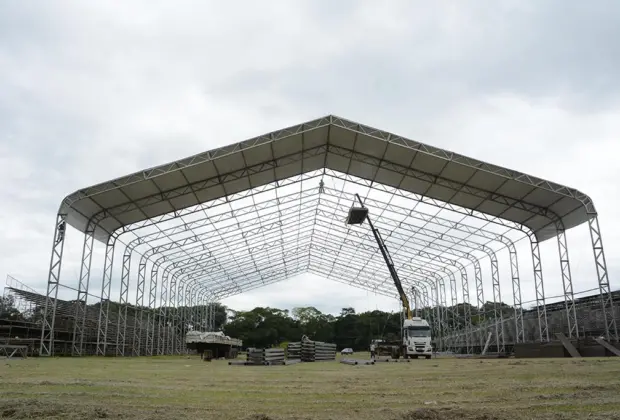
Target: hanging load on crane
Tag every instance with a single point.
(416, 332)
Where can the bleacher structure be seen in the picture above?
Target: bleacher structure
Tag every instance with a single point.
(590, 325)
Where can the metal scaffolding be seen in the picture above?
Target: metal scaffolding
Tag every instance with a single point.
(257, 212)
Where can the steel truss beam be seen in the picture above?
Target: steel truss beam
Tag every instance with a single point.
(353, 156)
(166, 289)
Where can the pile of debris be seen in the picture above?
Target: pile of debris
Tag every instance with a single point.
(315, 351)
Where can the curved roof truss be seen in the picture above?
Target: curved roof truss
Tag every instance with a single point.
(258, 212)
(330, 143)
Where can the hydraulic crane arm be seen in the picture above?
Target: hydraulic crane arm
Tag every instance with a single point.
(390, 264)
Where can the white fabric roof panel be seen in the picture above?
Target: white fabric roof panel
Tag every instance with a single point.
(336, 144)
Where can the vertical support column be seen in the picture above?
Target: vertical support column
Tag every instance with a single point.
(454, 325)
(497, 308)
(46, 347)
(151, 314)
(197, 310)
(198, 305)
(208, 313)
(567, 281)
(416, 301)
(443, 309)
(183, 302)
(426, 307)
(212, 315)
(479, 294)
(137, 321)
(434, 286)
(516, 293)
(541, 307)
(79, 319)
(607, 303)
(466, 308)
(121, 325)
(166, 323)
(162, 327)
(208, 298)
(104, 308)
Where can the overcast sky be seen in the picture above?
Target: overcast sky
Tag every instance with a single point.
(93, 90)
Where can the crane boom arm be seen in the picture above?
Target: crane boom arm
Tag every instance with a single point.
(388, 260)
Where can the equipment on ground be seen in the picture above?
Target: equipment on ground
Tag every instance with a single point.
(213, 344)
(416, 333)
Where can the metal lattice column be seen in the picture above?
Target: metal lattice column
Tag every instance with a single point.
(49, 310)
(137, 327)
(82, 293)
(567, 282)
(498, 312)
(541, 307)
(516, 293)
(121, 327)
(104, 308)
(607, 303)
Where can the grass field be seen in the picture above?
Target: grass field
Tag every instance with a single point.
(181, 387)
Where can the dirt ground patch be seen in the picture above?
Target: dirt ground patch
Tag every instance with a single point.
(176, 387)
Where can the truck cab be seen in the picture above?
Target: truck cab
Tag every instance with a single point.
(417, 338)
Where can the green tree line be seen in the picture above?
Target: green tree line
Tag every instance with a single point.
(268, 327)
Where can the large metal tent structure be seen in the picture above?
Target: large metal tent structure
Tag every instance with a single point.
(263, 210)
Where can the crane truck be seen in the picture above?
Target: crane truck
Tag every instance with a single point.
(415, 338)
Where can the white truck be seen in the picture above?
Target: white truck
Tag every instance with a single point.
(417, 338)
(415, 342)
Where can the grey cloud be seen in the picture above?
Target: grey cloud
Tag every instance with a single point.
(542, 49)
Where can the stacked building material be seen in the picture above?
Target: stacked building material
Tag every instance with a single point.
(314, 351)
(293, 350)
(273, 356)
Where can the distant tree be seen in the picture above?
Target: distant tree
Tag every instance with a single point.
(8, 309)
(347, 311)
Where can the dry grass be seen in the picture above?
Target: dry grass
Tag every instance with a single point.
(176, 387)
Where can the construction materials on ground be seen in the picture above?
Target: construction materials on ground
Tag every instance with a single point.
(315, 351)
(266, 356)
(293, 350)
(357, 362)
(211, 337)
(219, 344)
